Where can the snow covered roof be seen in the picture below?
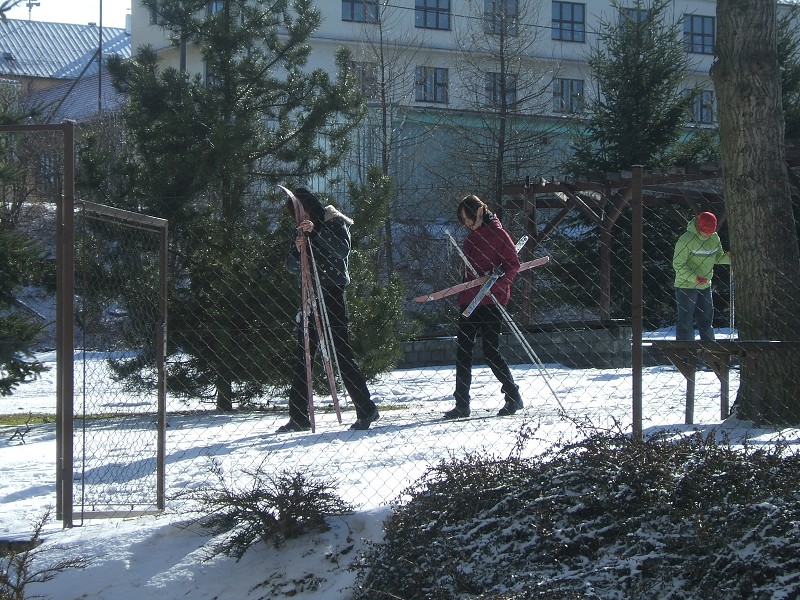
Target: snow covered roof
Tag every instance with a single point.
(56, 50)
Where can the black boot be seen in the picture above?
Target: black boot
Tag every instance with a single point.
(513, 401)
(460, 411)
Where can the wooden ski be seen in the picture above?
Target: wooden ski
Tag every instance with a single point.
(456, 289)
(311, 305)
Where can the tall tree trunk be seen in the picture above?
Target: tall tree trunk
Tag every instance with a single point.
(499, 167)
(761, 225)
(224, 394)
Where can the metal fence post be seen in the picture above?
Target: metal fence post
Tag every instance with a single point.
(636, 299)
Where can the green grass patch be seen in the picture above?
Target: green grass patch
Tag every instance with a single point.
(15, 420)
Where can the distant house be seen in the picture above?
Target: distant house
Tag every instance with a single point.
(57, 65)
(80, 100)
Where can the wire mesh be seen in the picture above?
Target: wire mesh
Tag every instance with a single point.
(116, 397)
(233, 337)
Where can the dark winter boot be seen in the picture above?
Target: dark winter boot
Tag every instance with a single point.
(513, 401)
(460, 411)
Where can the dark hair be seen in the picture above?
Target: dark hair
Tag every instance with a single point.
(469, 208)
(312, 205)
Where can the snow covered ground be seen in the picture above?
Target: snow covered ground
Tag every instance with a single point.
(160, 555)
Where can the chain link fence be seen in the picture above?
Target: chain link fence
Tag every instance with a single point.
(118, 407)
(233, 333)
(588, 337)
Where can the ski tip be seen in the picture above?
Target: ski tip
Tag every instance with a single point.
(424, 298)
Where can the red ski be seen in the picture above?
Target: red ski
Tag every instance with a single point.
(476, 282)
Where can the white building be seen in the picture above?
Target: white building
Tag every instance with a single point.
(563, 33)
(430, 42)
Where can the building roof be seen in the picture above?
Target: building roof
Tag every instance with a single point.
(56, 50)
(79, 100)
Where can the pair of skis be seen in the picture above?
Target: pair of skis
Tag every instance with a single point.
(496, 274)
(486, 281)
(457, 289)
(313, 304)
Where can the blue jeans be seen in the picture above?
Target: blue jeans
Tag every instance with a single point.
(694, 303)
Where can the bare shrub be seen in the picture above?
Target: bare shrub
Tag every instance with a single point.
(272, 508)
(25, 563)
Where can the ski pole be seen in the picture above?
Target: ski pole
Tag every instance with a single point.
(314, 300)
(305, 299)
(310, 305)
(328, 332)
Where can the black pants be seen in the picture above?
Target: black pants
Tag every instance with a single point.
(485, 320)
(353, 379)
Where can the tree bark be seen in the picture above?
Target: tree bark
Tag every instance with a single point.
(761, 227)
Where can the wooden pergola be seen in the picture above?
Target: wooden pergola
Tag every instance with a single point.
(602, 198)
(603, 201)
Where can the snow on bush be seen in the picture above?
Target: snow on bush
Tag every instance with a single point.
(609, 517)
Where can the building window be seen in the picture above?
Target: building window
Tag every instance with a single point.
(496, 87)
(634, 15)
(212, 81)
(698, 34)
(568, 96)
(703, 108)
(501, 17)
(431, 85)
(569, 22)
(360, 11)
(432, 14)
(366, 77)
(216, 6)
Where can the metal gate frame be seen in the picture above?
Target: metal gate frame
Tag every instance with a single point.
(160, 226)
(65, 307)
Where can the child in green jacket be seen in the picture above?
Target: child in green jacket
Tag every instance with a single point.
(696, 253)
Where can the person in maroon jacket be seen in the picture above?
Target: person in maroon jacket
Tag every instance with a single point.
(487, 246)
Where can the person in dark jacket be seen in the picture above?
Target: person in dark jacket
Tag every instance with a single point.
(487, 246)
(328, 233)
(696, 252)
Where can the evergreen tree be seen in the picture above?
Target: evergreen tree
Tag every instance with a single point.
(376, 308)
(18, 331)
(202, 152)
(639, 110)
(638, 116)
(19, 256)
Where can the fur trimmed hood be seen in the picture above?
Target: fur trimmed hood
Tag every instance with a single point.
(331, 212)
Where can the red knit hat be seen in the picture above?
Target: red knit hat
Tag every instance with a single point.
(706, 222)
